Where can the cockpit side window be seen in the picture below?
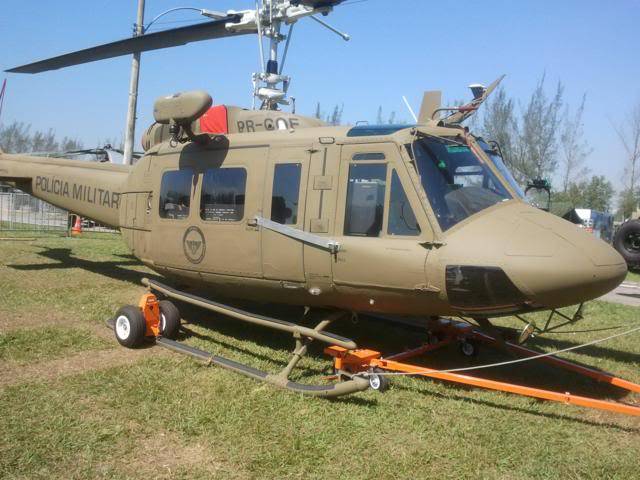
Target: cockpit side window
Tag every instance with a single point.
(494, 154)
(402, 220)
(175, 194)
(365, 199)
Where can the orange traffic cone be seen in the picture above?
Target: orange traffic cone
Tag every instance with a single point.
(77, 227)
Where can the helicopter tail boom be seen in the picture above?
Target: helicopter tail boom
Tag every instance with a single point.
(89, 189)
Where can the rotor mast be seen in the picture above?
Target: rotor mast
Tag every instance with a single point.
(270, 86)
(270, 95)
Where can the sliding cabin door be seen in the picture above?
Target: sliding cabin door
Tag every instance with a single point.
(230, 197)
(204, 209)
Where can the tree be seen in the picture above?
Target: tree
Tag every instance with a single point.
(596, 194)
(336, 117)
(574, 148)
(537, 145)
(69, 144)
(499, 124)
(379, 120)
(318, 113)
(15, 138)
(44, 142)
(529, 142)
(629, 135)
(392, 118)
(627, 203)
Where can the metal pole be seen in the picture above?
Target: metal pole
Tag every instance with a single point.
(4, 87)
(133, 91)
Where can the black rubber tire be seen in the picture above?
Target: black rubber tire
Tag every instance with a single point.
(469, 348)
(133, 330)
(169, 319)
(379, 383)
(621, 243)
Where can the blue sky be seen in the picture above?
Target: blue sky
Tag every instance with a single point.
(398, 47)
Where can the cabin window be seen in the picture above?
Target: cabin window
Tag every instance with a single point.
(365, 200)
(286, 193)
(223, 194)
(175, 194)
(359, 157)
(402, 221)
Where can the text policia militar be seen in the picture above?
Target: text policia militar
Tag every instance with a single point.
(77, 191)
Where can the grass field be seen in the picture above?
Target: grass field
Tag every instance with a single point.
(633, 277)
(75, 405)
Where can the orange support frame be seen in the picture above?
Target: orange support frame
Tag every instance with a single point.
(151, 311)
(355, 361)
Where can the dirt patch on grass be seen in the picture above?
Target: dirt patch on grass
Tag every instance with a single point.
(38, 318)
(13, 374)
(32, 319)
(166, 455)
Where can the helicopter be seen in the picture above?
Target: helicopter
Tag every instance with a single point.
(418, 220)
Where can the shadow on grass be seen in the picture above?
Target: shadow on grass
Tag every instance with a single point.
(115, 269)
(530, 411)
(596, 351)
(186, 333)
(632, 295)
(388, 338)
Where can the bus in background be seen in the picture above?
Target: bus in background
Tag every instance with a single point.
(598, 223)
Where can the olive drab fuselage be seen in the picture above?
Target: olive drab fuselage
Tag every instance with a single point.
(208, 216)
(239, 258)
(391, 273)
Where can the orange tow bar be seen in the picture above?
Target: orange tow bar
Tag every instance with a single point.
(356, 361)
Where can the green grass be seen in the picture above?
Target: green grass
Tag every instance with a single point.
(633, 277)
(38, 344)
(167, 416)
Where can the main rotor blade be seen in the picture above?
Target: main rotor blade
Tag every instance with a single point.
(143, 43)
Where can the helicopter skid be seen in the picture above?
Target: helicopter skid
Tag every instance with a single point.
(303, 337)
(353, 385)
(357, 361)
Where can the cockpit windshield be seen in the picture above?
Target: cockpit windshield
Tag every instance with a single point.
(494, 155)
(458, 184)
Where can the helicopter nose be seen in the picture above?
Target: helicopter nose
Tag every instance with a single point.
(544, 260)
(559, 264)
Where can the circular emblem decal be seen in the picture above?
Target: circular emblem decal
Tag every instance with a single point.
(194, 245)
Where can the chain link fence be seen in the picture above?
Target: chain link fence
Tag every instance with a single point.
(20, 212)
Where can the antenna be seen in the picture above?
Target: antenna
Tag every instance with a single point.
(413, 114)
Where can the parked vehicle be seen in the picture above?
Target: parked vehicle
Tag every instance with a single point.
(627, 241)
(598, 223)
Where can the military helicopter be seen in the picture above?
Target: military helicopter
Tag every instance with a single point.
(421, 220)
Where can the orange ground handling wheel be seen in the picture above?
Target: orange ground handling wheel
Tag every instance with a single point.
(130, 326)
(169, 319)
